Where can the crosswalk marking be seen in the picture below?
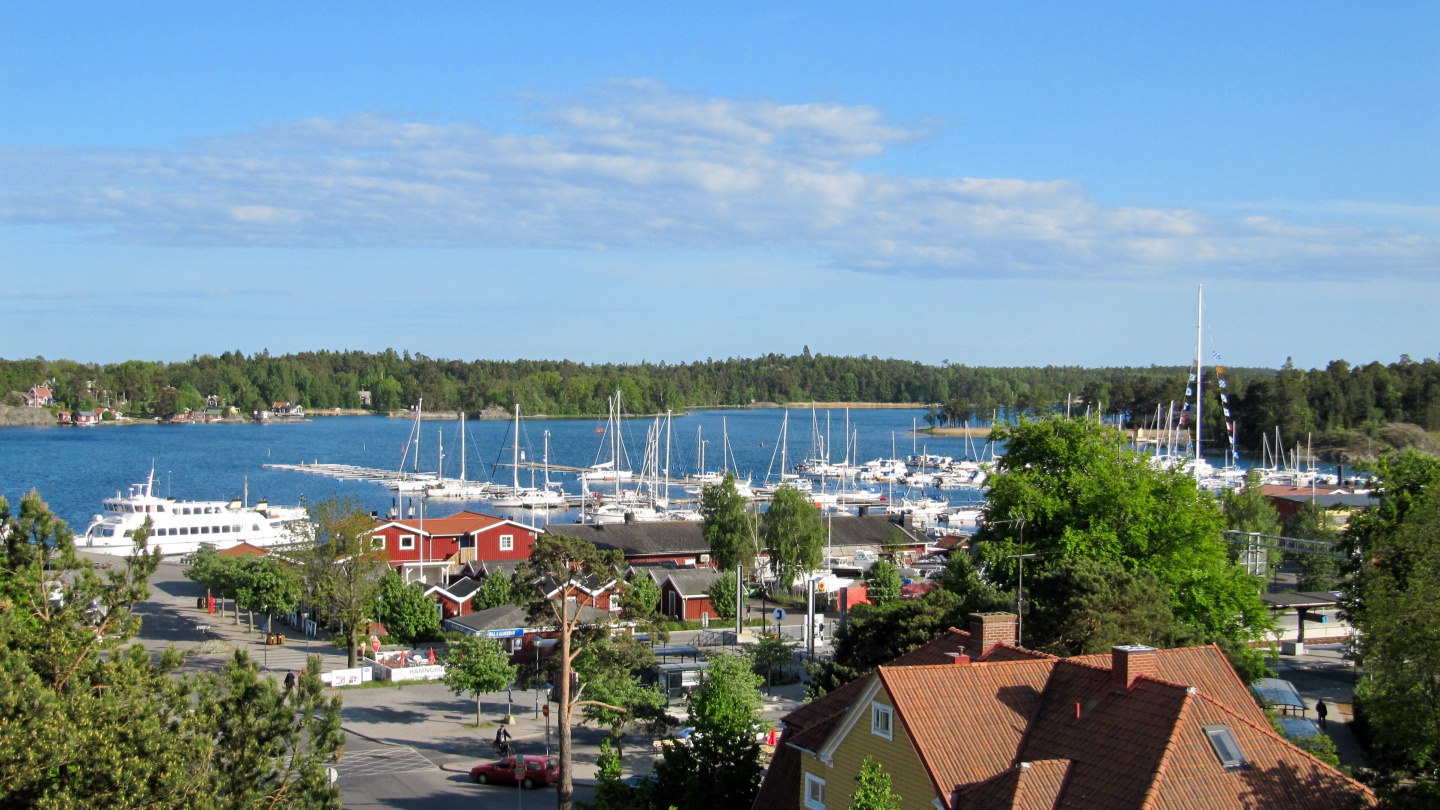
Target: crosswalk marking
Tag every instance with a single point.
(378, 762)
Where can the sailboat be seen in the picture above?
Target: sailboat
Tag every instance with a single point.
(449, 489)
(414, 481)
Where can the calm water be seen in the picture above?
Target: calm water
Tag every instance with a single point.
(75, 468)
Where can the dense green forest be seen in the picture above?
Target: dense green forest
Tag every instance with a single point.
(1338, 398)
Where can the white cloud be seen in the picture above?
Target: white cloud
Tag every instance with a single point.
(639, 166)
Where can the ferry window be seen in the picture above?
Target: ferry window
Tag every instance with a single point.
(235, 528)
(204, 529)
(185, 511)
(128, 533)
(255, 528)
(507, 542)
(407, 541)
(225, 529)
(160, 508)
(184, 530)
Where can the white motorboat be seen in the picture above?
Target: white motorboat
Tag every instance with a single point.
(182, 527)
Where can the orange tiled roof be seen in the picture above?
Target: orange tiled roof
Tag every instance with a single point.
(1026, 786)
(988, 706)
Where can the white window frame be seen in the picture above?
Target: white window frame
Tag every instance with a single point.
(507, 542)
(886, 729)
(814, 785)
(614, 602)
(407, 542)
(378, 542)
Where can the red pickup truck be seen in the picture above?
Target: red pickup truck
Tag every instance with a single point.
(534, 772)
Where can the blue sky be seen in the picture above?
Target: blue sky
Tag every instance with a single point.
(986, 184)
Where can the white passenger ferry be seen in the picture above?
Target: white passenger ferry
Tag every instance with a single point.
(182, 527)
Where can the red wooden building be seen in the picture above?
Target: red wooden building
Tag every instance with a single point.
(428, 549)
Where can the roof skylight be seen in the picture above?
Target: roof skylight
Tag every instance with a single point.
(1225, 746)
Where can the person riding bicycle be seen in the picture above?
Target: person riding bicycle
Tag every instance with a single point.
(502, 744)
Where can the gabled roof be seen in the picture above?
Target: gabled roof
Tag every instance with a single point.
(987, 705)
(694, 582)
(1022, 730)
(458, 591)
(871, 530)
(641, 538)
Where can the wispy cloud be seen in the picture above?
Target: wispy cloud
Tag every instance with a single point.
(638, 165)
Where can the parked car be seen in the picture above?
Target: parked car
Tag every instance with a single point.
(535, 771)
(634, 782)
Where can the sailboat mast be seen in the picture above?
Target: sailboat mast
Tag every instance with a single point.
(419, 406)
(667, 454)
(440, 460)
(1199, 376)
(515, 453)
(462, 445)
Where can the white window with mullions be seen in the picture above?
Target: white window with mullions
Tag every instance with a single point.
(882, 721)
(507, 542)
(407, 542)
(814, 792)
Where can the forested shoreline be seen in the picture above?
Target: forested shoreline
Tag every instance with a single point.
(1332, 401)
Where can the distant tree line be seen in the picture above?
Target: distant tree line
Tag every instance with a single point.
(1338, 398)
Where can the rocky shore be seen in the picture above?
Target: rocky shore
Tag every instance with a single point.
(20, 416)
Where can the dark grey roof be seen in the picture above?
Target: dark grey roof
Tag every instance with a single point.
(513, 617)
(503, 617)
(1357, 500)
(694, 581)
(502, 567)
(871, 530)
(1291, 599)
(651, 537)
(462, 588)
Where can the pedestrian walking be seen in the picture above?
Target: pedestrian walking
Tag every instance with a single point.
(1321, 710)
(289, 679)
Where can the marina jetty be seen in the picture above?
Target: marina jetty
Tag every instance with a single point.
(1137, 435)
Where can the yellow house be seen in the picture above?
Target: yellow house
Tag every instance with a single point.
(970, 721)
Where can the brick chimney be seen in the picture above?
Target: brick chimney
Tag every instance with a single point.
(989, 629)
(1130, 662)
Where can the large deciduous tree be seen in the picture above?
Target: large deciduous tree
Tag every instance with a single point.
(720, 768)
(1395, 605)
(793, 535)
(1073, 488)
(1079, 605)
(342, 565)
(268, 585)
(727, 526)
(407, 613)
(475, 665)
